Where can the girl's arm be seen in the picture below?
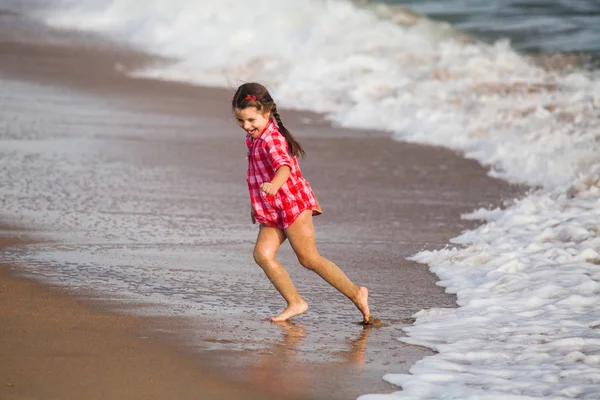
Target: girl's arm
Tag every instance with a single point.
(281, 176)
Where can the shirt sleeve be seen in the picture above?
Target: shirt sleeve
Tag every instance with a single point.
(277, 148)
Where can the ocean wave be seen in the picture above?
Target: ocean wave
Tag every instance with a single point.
(333, 57)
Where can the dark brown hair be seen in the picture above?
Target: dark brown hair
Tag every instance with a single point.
(256, 95)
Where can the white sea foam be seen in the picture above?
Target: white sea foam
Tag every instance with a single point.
(527, 281)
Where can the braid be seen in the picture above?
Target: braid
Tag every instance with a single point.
(294, 147)
(276, 115)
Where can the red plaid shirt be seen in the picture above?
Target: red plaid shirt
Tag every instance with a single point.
(266, 154)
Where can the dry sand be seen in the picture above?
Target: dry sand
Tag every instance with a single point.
(383, 201)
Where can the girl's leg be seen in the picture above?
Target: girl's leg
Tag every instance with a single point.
(268, 242)
(301, 235)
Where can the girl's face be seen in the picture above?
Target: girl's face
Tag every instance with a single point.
(252, 120)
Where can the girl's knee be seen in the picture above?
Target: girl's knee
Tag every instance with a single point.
(309, 261)
(262, 256)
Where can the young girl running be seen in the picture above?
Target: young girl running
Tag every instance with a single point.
(283, 202)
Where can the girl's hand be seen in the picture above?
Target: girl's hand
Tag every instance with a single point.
(252, 215)
(269, 189)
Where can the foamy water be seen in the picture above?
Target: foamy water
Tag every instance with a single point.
(527, 280)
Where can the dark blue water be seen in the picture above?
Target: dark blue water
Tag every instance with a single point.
(533, 26)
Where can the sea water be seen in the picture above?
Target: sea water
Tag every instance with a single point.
(555, 26)
(528, 279)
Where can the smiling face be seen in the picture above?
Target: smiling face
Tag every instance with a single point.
(252, 120)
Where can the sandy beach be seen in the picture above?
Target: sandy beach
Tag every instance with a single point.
(177, 149)
(53, 347)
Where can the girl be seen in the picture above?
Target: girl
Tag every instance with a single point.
(283, 202)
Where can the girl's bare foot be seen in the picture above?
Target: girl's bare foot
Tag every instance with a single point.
(362, 303)
(291, 311)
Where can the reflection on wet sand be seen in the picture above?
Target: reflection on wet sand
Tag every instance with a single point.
(281, 371)
(358, 347)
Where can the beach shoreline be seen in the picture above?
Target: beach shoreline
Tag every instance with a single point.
(427, 214)
(56, 346)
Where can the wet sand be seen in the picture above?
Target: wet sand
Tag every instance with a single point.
(383, 201)
(54, 347)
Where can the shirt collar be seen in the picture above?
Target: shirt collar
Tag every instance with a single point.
(267, 130)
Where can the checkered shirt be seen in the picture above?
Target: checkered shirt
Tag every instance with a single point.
(266, 154)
